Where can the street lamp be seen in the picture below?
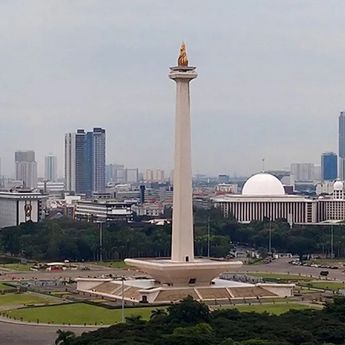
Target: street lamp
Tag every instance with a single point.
(123, 299)
(270, 239)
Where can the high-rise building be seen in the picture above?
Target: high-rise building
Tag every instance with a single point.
(70, 161)
(97, 138)
(303, 172)
(132, 175)
(26, 168)
(329, 166)
(154, 175)
(341, 146)
(85, 161)
(51, 168)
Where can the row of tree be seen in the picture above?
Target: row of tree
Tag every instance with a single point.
(192, 323)
(214, 235)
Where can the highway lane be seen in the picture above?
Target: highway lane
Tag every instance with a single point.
(282, 266)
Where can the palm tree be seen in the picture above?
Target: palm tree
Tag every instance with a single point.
(64, 337)
(158, 314)
(134, 320)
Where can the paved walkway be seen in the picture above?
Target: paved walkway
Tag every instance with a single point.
(30, 334)
(18, 322)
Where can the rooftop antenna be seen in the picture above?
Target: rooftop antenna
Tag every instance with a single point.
(263, 164)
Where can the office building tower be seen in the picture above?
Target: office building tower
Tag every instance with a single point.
(97, 144)
(109, 173)
(303, 172)
(85, 161)
(132, 175)
(154, 175)
(148, 175)
(158, 175)
(26, 168)
(329, 166)
(51, 168)
(341, 145)
(70, 162)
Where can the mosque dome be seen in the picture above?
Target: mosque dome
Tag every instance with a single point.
(263, 184)
(338, 185)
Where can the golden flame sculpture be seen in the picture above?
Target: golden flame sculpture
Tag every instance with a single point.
(183, 59)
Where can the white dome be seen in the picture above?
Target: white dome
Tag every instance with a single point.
(263, 184)
(338, 185)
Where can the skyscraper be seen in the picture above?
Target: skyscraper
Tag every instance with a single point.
(26, 168)
(342, 146)
(70, 161)
(85, 161)
(329, 166)
(98, 159)
(50, 167)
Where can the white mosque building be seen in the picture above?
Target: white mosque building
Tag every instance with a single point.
(263, 197)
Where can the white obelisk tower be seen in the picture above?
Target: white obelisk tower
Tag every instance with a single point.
(182, 245)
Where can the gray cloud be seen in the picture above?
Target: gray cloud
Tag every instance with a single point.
(270, 78)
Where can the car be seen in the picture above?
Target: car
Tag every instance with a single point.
(324, 273)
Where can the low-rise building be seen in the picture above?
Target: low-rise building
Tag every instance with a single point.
(20, 206)
(107, 211)
(149, 209)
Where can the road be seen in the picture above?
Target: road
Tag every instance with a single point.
(15, 334)
(31, 275)
(282, 266)
(277, 266)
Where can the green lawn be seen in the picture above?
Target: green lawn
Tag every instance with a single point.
(80, 313)
(4, 286)
(77, 313)
(113, 264)
(279, 276)
(17, 266)
(326, 285)
(26, 298)
(277, 308)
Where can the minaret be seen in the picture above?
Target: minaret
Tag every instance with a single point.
(182, 245)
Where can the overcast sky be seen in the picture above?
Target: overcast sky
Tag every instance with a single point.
(271, 79)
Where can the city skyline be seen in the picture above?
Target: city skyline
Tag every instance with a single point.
(272, 74)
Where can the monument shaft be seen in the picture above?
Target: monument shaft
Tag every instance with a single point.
(182, 246)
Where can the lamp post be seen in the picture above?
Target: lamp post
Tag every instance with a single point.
(100, 221)
(208, 236)
(270, 239)
(332, 242)
(122, 299)
(101, 241)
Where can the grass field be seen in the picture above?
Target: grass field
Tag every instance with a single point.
(26, 298)
(113, 264)
(277, 308)
(279, 276)
(326, 285)
(17, 267)
(81, 313)
(4, 286)
(77, 313)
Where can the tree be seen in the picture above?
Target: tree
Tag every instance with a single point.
(64, 337)
(157, 315)
(189, 311)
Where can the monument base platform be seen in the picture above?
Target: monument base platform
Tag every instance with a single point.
(199, 272)
(148, 291)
